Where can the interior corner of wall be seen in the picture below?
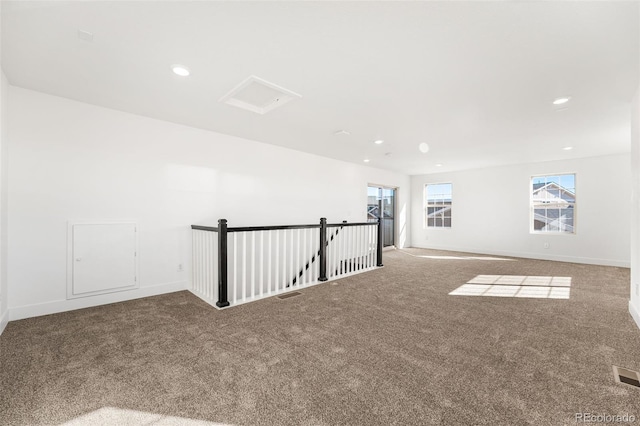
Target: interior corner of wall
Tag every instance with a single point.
(4, 320)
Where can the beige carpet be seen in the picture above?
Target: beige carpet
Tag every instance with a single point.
(385, 347)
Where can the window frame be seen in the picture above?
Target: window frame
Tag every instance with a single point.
(425, 207)
(532, 206)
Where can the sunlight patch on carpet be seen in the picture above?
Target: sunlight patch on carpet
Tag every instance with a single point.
(521, 280)
(464, 258)
(111, 416)
(533, 287)
(455, 257)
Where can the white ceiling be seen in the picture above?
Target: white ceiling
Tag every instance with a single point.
(474, 80)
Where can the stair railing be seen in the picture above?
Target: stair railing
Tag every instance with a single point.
(234, 265)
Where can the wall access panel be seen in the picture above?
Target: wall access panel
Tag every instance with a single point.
(102, 258)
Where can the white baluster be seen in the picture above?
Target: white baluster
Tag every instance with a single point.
(296, 271)
(332, 252)
(269, 262)
(358, 249)
(194, 260)
(261, 263)
(244, 266)
(305, 275)
(235, 268)
(253, 264)
(215, 266)
(340, 250)
(291, 264)
(284, 259)
(369, 259)
(205, 262)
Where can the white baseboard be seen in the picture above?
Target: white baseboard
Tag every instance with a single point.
(4, 320)
(28, 311)
(635, 314)
(538, 256)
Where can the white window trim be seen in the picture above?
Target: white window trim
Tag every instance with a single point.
(425, 206)
(532, 207)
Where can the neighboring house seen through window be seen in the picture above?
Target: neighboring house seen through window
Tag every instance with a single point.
(438, 205)
(553, 203)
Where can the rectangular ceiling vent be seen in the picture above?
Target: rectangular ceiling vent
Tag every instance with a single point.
(258, 95)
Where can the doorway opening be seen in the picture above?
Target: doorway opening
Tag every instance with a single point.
(381, 200)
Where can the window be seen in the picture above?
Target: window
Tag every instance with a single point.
(553, 203)
(438, 205)
(386, 196)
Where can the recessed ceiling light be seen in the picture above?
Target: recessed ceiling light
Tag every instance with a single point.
(423, 147)
(180, 70)
(342, 132)
(438, 165)
(366, 160)
(568, 148)
(562, 100)
(378, 142)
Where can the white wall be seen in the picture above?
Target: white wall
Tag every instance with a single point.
(634, 302)
(71, 161)
(4, 313)
(4, 317)
(491, 212)
(4, 288)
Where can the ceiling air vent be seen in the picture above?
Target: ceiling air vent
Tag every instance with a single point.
(258, 95)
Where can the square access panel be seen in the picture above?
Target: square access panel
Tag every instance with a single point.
(101, 258)
(258, 95)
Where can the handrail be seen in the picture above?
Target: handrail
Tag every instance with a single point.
(340, 225)
(205, 228)
(270, 228)
(281, 227)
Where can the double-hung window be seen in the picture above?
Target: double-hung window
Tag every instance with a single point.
(553, 203)
(438, 205)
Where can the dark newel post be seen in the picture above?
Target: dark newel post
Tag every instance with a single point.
(222, 264)
(379, 251)
(323, 249)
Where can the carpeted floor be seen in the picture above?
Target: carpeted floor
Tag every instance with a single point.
(385, 347)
